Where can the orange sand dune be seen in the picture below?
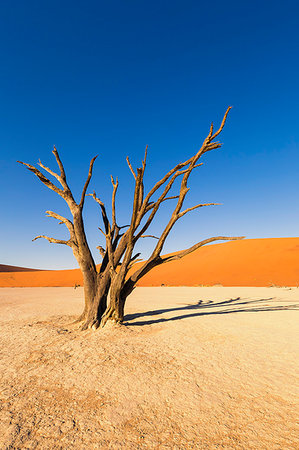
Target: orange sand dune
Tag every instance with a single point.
(251, 262)
(41, 278)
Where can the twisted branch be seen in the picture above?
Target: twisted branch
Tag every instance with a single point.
(194, 247)
(200, 205)
(104, 213)
(62, 219)
(87, 181)
(115, 186)
(53, 240)
(131, 168)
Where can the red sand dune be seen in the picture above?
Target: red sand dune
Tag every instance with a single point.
(251, 262)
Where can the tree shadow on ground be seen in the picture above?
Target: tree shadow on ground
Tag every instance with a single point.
(236, 305)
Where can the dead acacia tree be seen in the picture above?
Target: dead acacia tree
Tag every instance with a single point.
(143, 213)
(96, 285)
(118, 255)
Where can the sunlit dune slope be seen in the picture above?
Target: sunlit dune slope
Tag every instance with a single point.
(40, 278)
(251, 262)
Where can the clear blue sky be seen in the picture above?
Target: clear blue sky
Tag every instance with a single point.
(107, 78)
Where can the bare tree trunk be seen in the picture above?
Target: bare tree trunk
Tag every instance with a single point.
(95, 294)
(119, 292)
(115, 309)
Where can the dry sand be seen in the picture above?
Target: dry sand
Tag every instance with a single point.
(252, 262)
(193, 368)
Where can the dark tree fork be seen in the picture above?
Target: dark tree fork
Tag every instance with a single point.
(118, 255)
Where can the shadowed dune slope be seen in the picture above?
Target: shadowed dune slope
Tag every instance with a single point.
(6, 268)
(251, 262)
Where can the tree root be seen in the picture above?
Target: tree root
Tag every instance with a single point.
(106, 316)
(80, 318)
(110, 314)
(93, 323)
(90, 324)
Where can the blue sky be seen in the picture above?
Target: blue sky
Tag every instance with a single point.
(108, 78)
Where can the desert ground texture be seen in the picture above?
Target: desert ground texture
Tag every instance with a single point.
(196, 367)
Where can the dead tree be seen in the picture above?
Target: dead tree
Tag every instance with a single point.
(118, 255)
(143, 213)
(96, 284)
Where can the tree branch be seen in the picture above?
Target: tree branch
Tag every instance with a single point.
(47, 169)
(153, 262)
(211, 131)
(199, 244)
(60, 165)
(182, 213)
(107, 233)
(62, 177)
(77, 240)
(115, 186)
(104, 213)
(43, 179)
(131, 168)
(101, 250)
(163, 181)
(160, 200)
(134, 258)
(87, 181)
(222, 124)
(152, 205)
(135, 204)
(144, 160)
(65, 193)
(102, 231)
(64, 220)
(206, 146)
(53, 240)
(132, 263)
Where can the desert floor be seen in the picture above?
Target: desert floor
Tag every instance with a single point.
(202, 368)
